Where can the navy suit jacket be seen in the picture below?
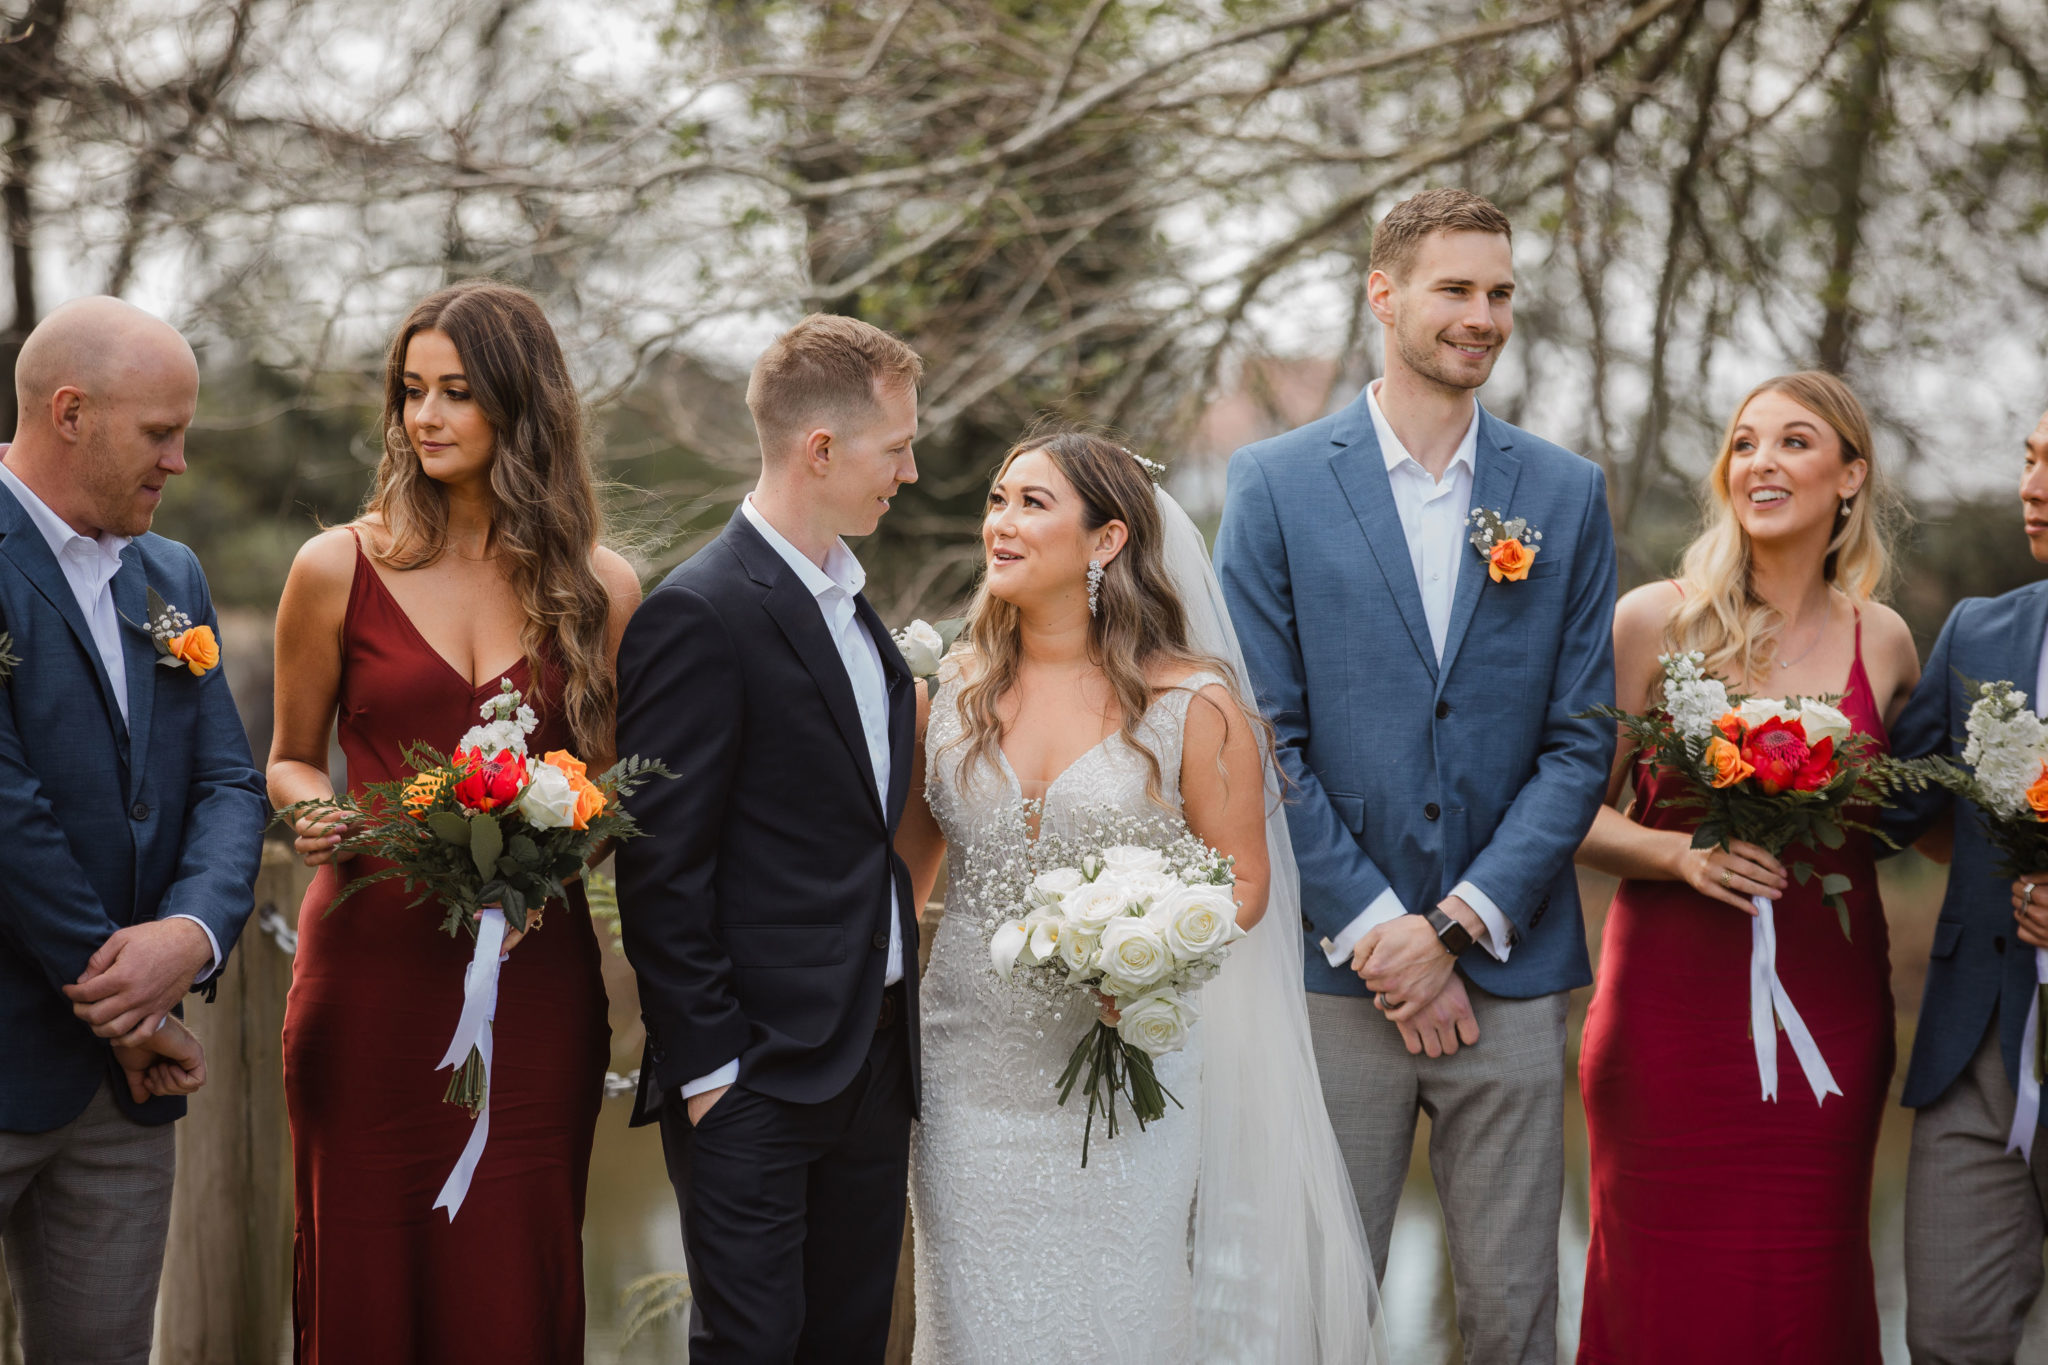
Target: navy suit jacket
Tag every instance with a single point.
(1408, 773)
(107, 824)
(1978, 962)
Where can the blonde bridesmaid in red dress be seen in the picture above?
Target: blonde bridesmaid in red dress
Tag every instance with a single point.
(476, 559)
(1726, 1227)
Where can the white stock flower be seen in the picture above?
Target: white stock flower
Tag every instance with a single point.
(1200, 920)
(1155, 1024)
(2007, 743)
(1694, 700)
(1821, 721)
(1004, 946)
(494, 737)
(1134, 954)
(922, 648)
(1094, 904)
(1128, 858)
(548, 802)
(1052, 885)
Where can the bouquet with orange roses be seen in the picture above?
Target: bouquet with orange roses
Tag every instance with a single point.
(1774, 774)
(491, 834)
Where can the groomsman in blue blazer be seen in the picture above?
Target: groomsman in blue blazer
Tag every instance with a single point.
(131, 825)
(1976, 1214)
(1425, 598)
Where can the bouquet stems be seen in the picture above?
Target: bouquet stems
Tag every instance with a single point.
(1114, 1068)
(467, 1086)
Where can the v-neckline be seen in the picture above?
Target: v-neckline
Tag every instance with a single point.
(370, 567)
(1017, 783)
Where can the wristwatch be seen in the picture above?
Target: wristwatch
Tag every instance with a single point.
(1455, 937)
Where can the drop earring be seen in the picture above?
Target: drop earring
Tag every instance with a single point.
(1094, 584)
(1844, 509)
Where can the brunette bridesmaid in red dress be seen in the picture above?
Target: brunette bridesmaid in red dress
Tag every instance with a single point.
(475, 560)
(1726, 1227)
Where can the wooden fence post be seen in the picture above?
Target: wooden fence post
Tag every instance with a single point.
(226, 1292)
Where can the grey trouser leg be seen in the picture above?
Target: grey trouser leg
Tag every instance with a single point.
(84, 1211)
(1975, 1221)
(1496, 1150)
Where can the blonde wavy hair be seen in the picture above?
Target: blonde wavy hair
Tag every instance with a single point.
(1140, 622)
(545, 516)
(1721, 615)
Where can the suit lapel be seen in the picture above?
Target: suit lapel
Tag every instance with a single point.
(901, 688)
(796, 613)
(25, 547)
(1496, 470)
(1361, 472)
(138, 651)
(2025, 642)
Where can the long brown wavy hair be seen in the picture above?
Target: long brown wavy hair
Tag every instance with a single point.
(1720, 614)
(1140, 623)
(545, 518)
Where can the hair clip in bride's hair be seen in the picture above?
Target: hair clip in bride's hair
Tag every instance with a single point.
(1152, 467)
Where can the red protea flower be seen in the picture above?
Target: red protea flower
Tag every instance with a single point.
(1783, 760)
(488, 783)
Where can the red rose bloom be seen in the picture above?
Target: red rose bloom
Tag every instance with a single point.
(1783, 760)
(488, 783)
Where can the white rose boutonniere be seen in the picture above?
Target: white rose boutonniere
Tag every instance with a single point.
(924, 645)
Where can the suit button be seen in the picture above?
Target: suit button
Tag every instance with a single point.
(881, 938)
(1432, 811)
(140, 810)
(1998, 943)
(1443, 710)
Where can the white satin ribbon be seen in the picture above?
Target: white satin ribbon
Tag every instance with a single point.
(473, 1030)
(1766, 993)
(2026, 1114)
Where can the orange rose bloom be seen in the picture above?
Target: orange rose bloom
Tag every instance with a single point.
(195, 648)
(1510, 560)
(589, 800)
(2037, 795)
(1729, 765)
(1730, 726)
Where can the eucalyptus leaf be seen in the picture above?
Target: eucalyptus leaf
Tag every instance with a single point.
(1842, 915)
(450, 826)
(1829, 833)
(1802, 873)
(169, 661)
(1835, 884)
(486, 843)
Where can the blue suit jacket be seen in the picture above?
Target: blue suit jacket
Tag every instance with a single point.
(106, 824)
(1408, 773)
(1978, 961)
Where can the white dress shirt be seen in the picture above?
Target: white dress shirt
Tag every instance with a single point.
(2041, 680)
(1433, 515)
(89, 564)
(835, 586)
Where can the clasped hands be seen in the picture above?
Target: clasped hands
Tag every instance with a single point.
(135, 979)
(1414, 983)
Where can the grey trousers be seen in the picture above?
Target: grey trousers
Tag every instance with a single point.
(84, 1211)
(1976, 1217)
(1496, 1150)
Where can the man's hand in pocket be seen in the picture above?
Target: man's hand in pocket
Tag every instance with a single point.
(699, 1105)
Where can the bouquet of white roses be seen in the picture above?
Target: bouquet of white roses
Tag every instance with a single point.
(2004, 774)
(1140, 928)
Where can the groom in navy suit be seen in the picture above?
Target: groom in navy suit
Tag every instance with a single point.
(1428, 694)
(1976, 1214)
(133, 825)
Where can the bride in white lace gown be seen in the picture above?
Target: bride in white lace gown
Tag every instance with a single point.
(1225, 1231)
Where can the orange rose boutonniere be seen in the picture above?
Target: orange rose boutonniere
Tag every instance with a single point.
(1508, 545)
(179, 643)
(2037, 795)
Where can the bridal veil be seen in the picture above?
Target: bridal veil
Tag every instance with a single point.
(1282, 1273)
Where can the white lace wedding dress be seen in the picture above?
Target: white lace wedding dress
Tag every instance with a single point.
(1022, 1255)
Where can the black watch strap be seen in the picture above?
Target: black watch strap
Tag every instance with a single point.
(1455, 937)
